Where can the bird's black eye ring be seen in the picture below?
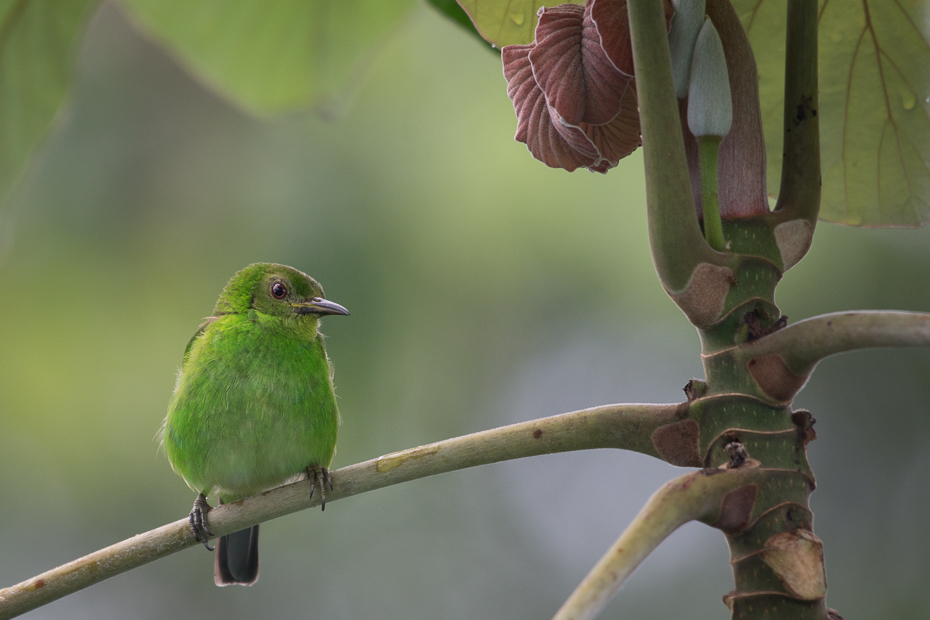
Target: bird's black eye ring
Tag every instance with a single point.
(278, 290)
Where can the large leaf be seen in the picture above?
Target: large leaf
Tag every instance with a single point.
(452, 10)
(37, 47)
(270, 56)
(874, 105)
(507, 22)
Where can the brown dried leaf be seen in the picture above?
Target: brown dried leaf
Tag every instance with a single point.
(536, 126)
(575, 107)
(613, 27)
(621, 136)
(571, 67)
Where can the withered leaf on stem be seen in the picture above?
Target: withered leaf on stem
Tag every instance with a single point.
(572, 88)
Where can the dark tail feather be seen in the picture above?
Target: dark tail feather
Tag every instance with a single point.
(237, 558)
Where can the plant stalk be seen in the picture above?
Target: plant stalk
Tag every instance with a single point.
(713, 226)
(799, 194)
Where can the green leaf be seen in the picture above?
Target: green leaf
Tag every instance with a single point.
(270, 56)
(38, 41)
(452, 10)
(507, 22)
(874, 105)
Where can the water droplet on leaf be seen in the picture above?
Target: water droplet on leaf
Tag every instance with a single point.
(517, 18)
(908, 100)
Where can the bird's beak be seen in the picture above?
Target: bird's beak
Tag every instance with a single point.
(318, 305)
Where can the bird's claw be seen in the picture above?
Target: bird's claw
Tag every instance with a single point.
(320, 474)
(198, 521)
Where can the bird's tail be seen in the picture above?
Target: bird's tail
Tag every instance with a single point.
(237, 558)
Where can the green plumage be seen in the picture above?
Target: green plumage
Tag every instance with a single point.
(254, 405)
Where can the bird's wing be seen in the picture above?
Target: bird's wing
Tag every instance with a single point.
(200, 330)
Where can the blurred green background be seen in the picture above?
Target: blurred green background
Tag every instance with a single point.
(485, 289)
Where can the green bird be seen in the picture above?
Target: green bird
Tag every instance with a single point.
(253, 407)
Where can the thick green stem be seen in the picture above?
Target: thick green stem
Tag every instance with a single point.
(713, 226)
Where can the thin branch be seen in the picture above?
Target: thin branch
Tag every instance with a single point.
(805, 343)
(627, 427)
(694, 496)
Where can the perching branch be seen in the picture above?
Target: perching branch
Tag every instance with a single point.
(803, 344)
(694, 496)
(628, 427)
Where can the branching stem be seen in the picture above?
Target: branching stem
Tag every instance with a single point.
(805, 343)
(694, 496)
(678, 246)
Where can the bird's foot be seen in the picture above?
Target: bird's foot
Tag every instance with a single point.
(198, 520)
(321, 475)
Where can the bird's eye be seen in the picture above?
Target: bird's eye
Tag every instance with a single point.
(278, 290)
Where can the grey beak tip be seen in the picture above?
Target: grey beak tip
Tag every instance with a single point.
(322, 306)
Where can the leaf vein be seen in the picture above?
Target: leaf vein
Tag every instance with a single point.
(916, 28)
(849, 78)
(752, 16)
(879, 53)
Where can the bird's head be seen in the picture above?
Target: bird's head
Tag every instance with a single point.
(275, 290)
